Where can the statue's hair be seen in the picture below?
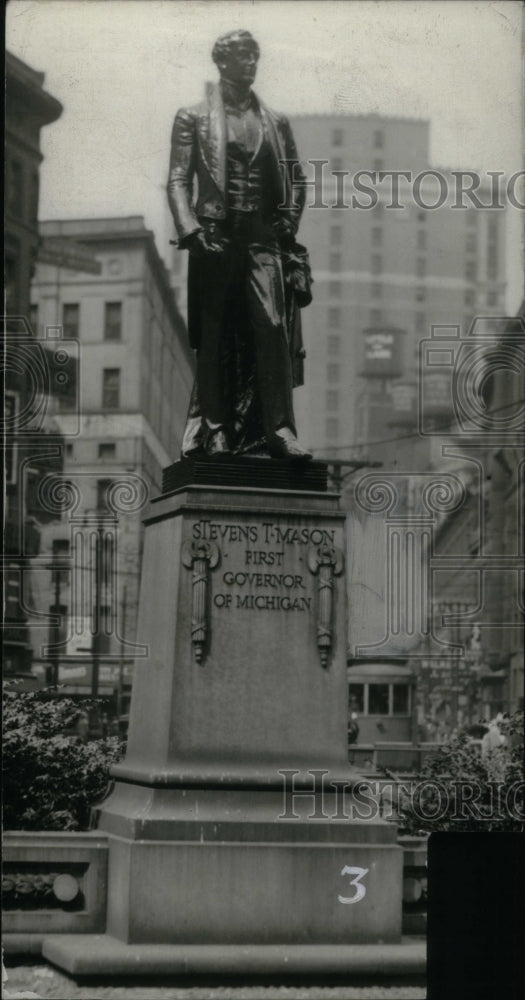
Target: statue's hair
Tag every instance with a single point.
(225, 43)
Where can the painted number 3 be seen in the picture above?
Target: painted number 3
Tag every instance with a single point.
(360, 889)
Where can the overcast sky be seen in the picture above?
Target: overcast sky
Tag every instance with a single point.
(121, 68)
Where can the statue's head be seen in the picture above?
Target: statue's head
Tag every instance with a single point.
(236, 54)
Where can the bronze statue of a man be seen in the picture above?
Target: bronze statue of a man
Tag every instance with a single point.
(243, 319)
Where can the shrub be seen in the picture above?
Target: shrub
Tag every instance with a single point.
(459, 789)
(51, 778)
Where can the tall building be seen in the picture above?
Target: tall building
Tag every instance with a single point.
(480, 545)
(29, 109)
(382, 277)
(30, 436)
(121, 428)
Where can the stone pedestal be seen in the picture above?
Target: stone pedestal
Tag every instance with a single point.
(234, 819)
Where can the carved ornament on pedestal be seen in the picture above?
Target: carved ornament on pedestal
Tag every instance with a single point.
(201, 556)
(326, 562)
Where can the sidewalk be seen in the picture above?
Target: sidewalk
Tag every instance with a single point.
(49, 984)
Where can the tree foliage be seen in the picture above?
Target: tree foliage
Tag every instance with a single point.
(51, 778)
(461, 789)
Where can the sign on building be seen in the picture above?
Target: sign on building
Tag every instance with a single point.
(382, 352)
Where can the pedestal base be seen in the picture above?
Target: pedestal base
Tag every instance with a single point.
(227, 866)
(101, 956)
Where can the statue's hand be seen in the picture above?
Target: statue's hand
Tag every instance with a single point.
(204, 245)
(285, 232)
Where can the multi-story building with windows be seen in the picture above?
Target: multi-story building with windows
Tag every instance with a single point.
(480, 590)
(383, 275)
(29, 435)
(123, 425)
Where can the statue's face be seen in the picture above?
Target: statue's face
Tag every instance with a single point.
(240, 65)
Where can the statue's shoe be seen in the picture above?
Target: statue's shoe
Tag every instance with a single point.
(284, 444)
(217, 444)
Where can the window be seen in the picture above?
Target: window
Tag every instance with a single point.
(60, 547)
(112, 320)
(332, 428)
(69, 450)
(471, 243)
(421, 216)
(378, 699)
(337, 163)
(356, 698)
(378, 165)
(107, 450)
(472, 219)
(68, 402)
(334, 317)
(377, 236)
(379, 139)
(492, 298)
(469, 297)
(337, 137)
(376, 263)
(421, 239)
(492, 249)
(334, 344)
(103, 486)
(336, 235)
(332, 373)
(332, 399)
(376, 317)
(421, 267)
(335, 262)
(110, 388)
(334, 289)
(470, 270)
(376, 290)
(70, 319)
(33, 318)
(420, 293)
(400, 701)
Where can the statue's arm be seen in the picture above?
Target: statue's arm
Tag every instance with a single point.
(296, 174)
(181, 173)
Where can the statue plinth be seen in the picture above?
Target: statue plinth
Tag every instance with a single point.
(241, 701)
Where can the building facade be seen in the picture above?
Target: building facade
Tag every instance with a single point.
(383, 275)
(33, 443)
(123, 425)
(478, 551)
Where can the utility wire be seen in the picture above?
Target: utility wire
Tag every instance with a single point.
(415, 434)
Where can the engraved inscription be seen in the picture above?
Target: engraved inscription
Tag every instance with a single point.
(267, 533)
(262, 564)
